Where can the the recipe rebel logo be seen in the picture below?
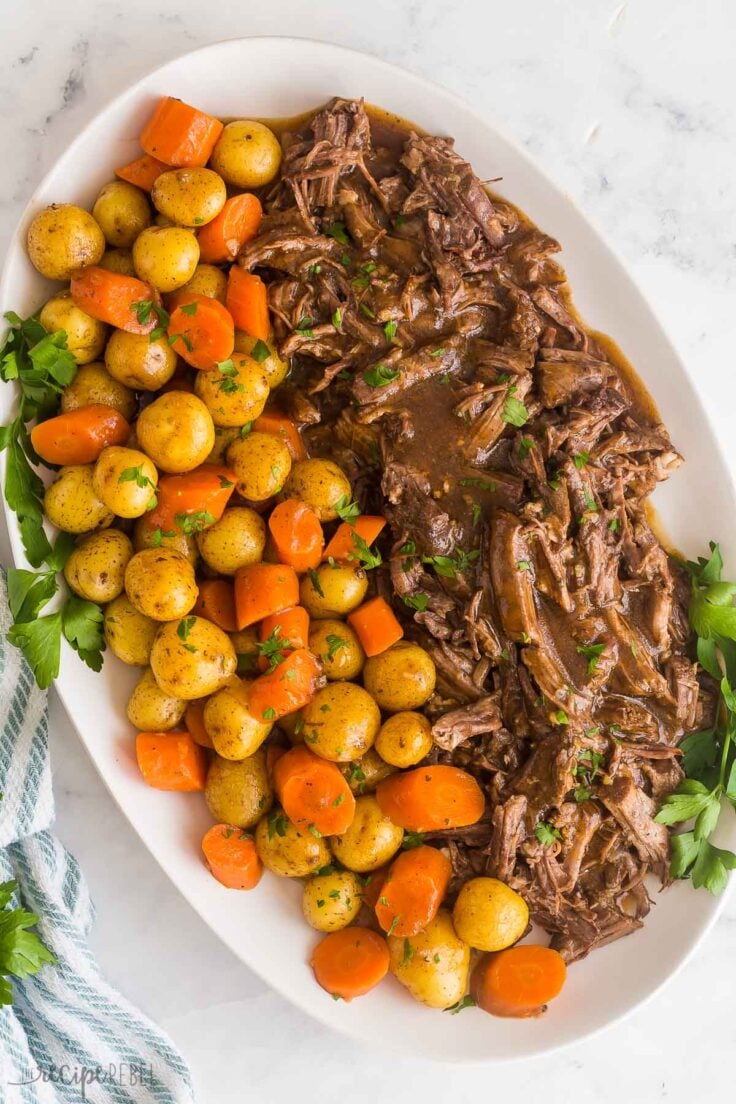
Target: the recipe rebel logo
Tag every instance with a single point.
(122, 1074)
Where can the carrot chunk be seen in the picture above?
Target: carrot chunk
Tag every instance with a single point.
(350, 962)
(143, 172)
(413, 891)
(201, 331)
(247, 301)
(343, 545)
(285, 631)
(216, 602)
(288, 688)
(262, 589)
(275, 423)
(171, 761)
(180, 135)
(194, 720)
(79, 436)
(121, 301)
(297, 534)
(223, 238)
(313, 792)
(231, 856)
(193, 500)
(519, 981)
(376, 625)
(429, 798)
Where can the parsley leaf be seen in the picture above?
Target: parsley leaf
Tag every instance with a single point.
(390, 330)
(273, 649)
(416, 601)
(514, 412)
(380, 375)
(338, 232)
(546, 833)
(466, 1002)
(21, 951)
(194, 522)
(334, 644)
(592, 653)
(260, 351)
(346, 509)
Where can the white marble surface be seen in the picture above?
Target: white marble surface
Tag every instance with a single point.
(630, 107)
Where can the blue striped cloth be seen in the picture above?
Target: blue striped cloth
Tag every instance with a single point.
(69, 1036)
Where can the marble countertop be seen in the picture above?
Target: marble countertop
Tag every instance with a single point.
(630, 107)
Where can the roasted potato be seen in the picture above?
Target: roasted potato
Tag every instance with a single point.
(224, 437)
(333, 590)
(94, 384)
(261, 464)
(341, 722)
(403, 677)
(121, 211)
(150, 709)
(287, 850)
(165, 256)
(128, 632)
(235, 541)
(125, 480)
(234, 392)
(319, 483)
(404, 739)
(118, 260)
(160, 583)
(192, 657)
(96, 568)
(432, 965)
(364, 774)
(208, 280)
(189, 197)
(71, 503)
(247, 154)
(234, 731)
(332, 901)
(176, 431)
(138, 362)
(489, 915)
(338, 647)
(85, 336)
(370, 841)
(62, 239)
(273, 366)
(239, 793)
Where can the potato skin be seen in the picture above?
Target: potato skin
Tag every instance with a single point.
(176, 431)
(234, 731)
(370, 841)
(62, 239)
(94, 384)
(235, 392)
(247, 154)
(275, 369)
(71, 503)
(96, 568)
(138, 362)
(128, 632)
(85, 336)
(364, 774)
(145, 537)
(165, 256)
(286, 850)
(436, 974)
(224, 437)
(332, 901)
(488, 915)
(245, 643)
(125, 480)
(189, 197)
(319, 483)
(208, 280)
(401, 678)
(192, 657)
(337, 646)
(150, 709)
(121, 211)
(343, 588)
(235, 541)
(404, 739)
(118, 260)
(341, 722)
(239, 793)
(160, 583)
(261, 464)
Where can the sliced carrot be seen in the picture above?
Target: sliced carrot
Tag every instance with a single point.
(192, 501)
(519, 981)
(275, 423)
(285, 631)
(143, 172)
(180, 135)
(201, 331)
(247, 301)
(262, 589)
(216, 602)
(376, 625)
(224, 237)
(429, 798)
(313, 792)
(413, 891)
(79, 436)
(120, 301)
(297, 534)
(171, 761)
(343, 546)
(194, 720)
(350, 962)
(288, 688)
(372, 886)
(231, 856)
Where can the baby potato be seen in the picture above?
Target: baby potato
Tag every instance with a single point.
(235, 541)
(245, 643)
(273, 366)
(129, 634)
(402, 677)
(319, 483)
(224, 437)
(192, 657)
(121, 211)
(370, 841)
(341, 722)
(62, 239)
(338, 647)
(71, 503)
(332, 901)
(432, 965)
(364, 774)
(189, 197)
(165, 256)
(286, 850)
(235, 392)
(261, 464)
(239, 793)
(404, 739)
(146, 535)
(125, 480)
(489, 915)
(138, 362)
(247, 154)
(118, 260)
(176, 431)
(160, 583)
(96, 568)
(94, 384)
(152, 710)
(333, 590)
(85, 336)
(207, 280)
(234, 731)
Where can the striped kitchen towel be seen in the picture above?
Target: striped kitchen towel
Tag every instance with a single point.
(69, 1036)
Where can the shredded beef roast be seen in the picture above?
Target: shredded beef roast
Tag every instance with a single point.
(434, 353)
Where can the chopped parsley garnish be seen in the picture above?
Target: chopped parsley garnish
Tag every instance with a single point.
(338, 232)
(390, 330)
(514, 412)
(416, 601)
(450, 566)
(475, 481)
(314, 579)
(273, 649)
(580, 459)
(412, 840)
(194, 522)
(592, 653)
(346, 509)
(546, 833)
(334, 644)
(466, 1002)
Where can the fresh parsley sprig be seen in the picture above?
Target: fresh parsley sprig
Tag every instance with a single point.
(21, 951)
